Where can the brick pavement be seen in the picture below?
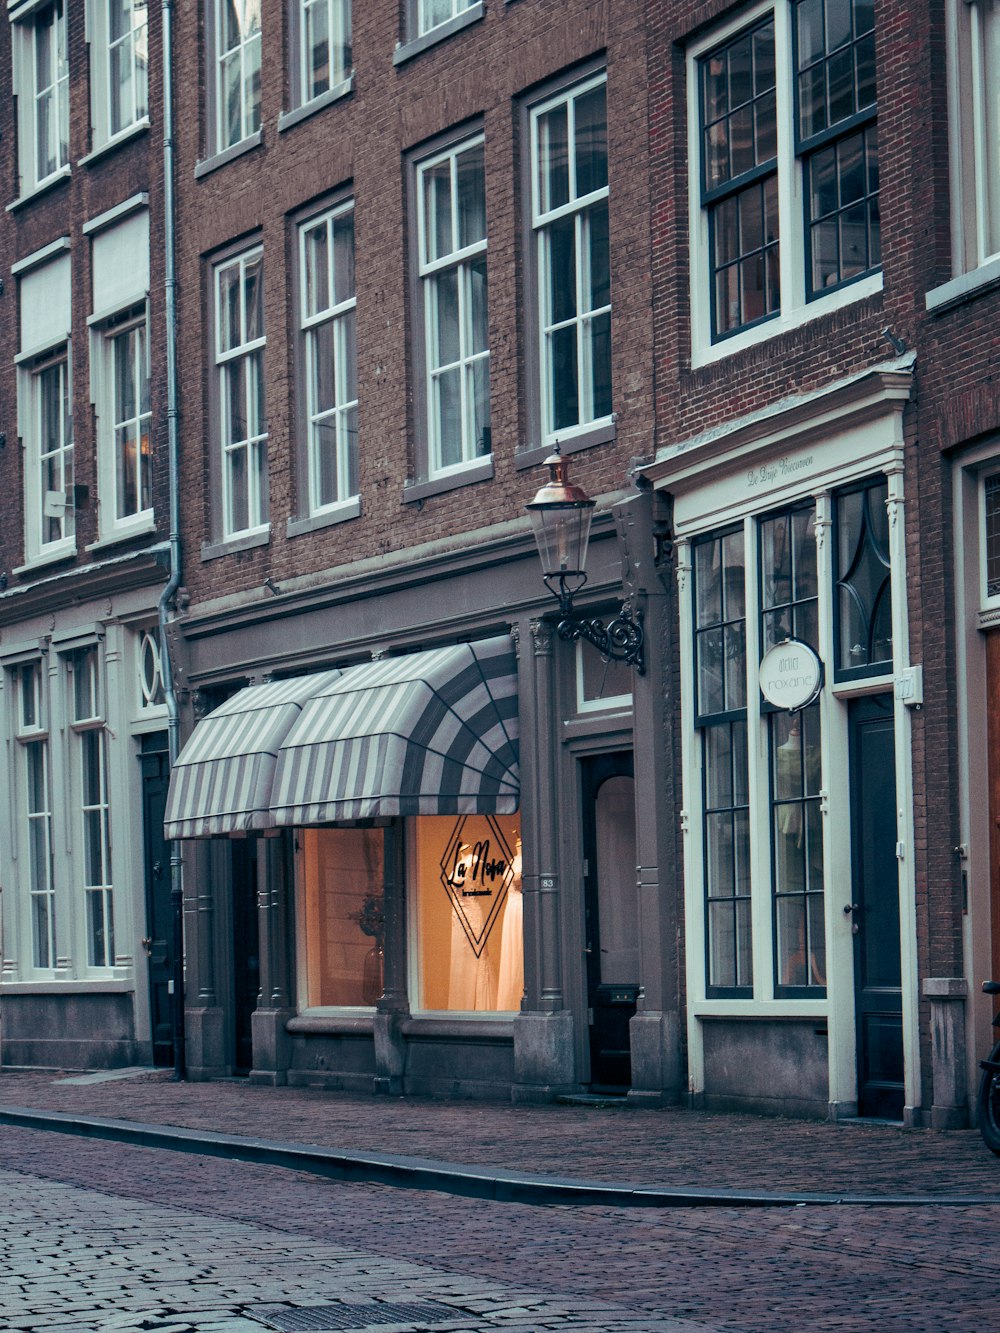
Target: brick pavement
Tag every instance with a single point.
(640, 1146)
(783, 1270)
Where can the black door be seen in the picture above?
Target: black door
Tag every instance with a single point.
(875, 909)
(155, 766)
(246, 957)
(611, 907)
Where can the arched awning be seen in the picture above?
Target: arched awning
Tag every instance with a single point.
(434, 732)
(222, 780)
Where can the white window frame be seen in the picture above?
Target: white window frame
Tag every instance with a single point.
(247, 52)
(33, 738)
(795, 308)
(338, 310)
(87, 725)
(339, 21)
(113, 524)
(254, 443)
(41, 505)
(25, 35)
(460, 261)
(134, 42)
(425, 20)
(541, 220)
(987, 602)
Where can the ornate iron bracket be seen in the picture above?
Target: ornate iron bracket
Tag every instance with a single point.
(621, 640)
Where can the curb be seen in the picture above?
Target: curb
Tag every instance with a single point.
(469, 1182)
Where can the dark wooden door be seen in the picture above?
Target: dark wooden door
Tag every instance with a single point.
(875, 909)
(155, 766)
(611, 907)
(993, 744)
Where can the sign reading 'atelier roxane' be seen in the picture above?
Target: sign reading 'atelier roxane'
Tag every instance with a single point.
(791, 675)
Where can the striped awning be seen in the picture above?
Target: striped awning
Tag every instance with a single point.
(222, 780)
(432, 733)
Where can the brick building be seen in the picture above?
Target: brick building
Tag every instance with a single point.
(723, 256)
(82, 548)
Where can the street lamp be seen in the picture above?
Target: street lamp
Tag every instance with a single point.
(560, 516)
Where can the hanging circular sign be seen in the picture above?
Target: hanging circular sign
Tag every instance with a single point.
(791, 675)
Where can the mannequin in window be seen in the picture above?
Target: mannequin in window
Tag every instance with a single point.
(472, 983)
(510, 988)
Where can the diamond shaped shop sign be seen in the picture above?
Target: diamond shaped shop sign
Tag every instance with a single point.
(476, 873)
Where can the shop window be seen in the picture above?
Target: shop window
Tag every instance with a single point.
(341, 878)
(777, 808)
(31, 729)
(466, 891)
(863, 606)
(784, 131)
(87, 719)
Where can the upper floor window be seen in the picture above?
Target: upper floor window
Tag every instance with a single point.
(431, 14)
(120, 66)
(41, 81)
(241, 421)
(126, 436)
(569, 214)
(48, 466)
(322, 57)
(974, 31)
(785, 209)
(451, 230)
(327, 296)
(235, 73)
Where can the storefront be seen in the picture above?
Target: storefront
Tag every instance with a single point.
(802, 977)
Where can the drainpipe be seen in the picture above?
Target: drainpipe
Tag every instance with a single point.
(173, 582)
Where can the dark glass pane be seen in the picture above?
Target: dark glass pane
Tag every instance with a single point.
(708, 583)
(854, 241)
(864, 16)
(725, 226)
(851, 163)
(449, 409)
(553, 159)
(817, 939)
(598, 274)
(874, 234)
(773, 280)
(881, 647)
(741, 851)
(721, 945)
(591, 142)
(736, 666)
(562, 269)
(714, 87)
(753, 282)
(735, 590)
(741, 140)
(719, 862)
(776, 560)
(840, 82)
(744, 947)
(763, 59)
(864, 56)
(741, 776)
(711, 698)
(716, 155)
(812, 101)
(776, 628)
(445, 348)
(751, 215)
(825, 265)
(727, 299)
(792, 940)
(740, 71)
(471, 172)
(805, 623)
(563, 382)
(838, 23)
(599, 361)
(343, 257)
(718, 768)
(804, 545)
(766, 123)
(809, 30)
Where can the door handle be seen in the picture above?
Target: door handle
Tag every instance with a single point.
(147, 944)
(852, 910)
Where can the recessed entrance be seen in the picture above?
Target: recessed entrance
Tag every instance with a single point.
(155, 768)
(611, 915)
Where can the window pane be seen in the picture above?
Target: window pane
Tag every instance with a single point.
(468, 905)
(561, 285)
(553, 159)
(317, 269)
(483, 442)
(444, 299)
(590, 119)
(253, 271)
(317, 39)
(448, 391)
(438, 238)
(563, 383)
(342, 877)
(597, 355)
(708, 582)
(323, 363)
(597, 275)
(343, 257)
(471, 184)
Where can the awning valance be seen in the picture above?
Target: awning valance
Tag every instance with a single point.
(221, 782)
(430, 733)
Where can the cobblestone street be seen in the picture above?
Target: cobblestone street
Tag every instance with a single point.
(100, 1236)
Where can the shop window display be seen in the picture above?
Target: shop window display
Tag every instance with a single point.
(342, 873)
(466, 888)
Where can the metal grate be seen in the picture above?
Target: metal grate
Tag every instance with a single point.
(292, 1319)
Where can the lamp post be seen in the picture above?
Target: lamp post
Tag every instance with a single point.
(561, 513)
